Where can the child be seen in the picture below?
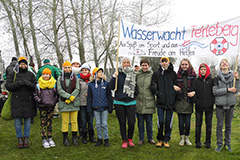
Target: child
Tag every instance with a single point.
(46, 97)
(99, 99)
(69, 102)
(204, 100)
(86, 118)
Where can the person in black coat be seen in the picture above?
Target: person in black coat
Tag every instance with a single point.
(162, 85)
(22, 102)
(204, 101)
(10, 67)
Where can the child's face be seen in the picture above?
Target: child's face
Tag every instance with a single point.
(184, 65)
(85, 71)
(100, 74)
(76, 64)
(68, 69)
(203, 71)
(164, 64)
(145, 67)
(46, 77)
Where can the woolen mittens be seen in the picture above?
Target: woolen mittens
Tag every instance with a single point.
(71, 98)
(68, 101)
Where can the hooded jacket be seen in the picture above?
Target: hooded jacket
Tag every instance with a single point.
(162, 86)
(203, 98)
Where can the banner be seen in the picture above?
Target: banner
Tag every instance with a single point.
(221, 38)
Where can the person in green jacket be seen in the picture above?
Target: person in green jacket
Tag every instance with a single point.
(69, 102)
(145, 101)
(55, 71)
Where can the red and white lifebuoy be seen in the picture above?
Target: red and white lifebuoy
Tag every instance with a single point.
(219, 46)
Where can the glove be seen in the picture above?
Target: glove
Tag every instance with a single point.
(68, 101)
(71, 98)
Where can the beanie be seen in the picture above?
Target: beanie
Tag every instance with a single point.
(46, 61)
(86, 66)
(96, 70)
(164, 58)
(22, 59)
(47, 71)
(67, 63)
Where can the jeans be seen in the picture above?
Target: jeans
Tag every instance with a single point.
(208, 122)
(101, 124)
(168, 114)
(86, 118)
(184, 124)
(18, 127)
(125, 113)
(148, 119)
(228, 115)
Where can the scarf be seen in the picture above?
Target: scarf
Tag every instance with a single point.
(226, 78)
(72, 84)
(191, 76)
(130, 81)
(43, 84)
(85, 77)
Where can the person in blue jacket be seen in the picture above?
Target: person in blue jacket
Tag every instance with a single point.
(99, 100)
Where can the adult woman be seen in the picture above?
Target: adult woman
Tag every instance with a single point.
(69, 103)
(145, 101)
(184, 106)
(125, 101)
(22, 103)
(225, 100)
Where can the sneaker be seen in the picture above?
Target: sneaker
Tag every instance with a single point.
(159, 144)
(124, 145)
(130, 143)
(228, 147)
(166, 144)
(188, 141)
(198, 145)
(182, 141)
(51, 142)
(45, 144)
(207, 145)
(218, 148)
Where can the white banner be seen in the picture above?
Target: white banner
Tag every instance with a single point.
(221, 38)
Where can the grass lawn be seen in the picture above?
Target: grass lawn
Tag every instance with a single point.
(9, 151)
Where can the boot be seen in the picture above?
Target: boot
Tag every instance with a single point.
(80, 133)
(182, 141)
(99, 142)
(26, 142)
(91, 136)
(74, 139)
(20, 143)
(187, 141)
(65, 139)
(84, 137)
(106, 142)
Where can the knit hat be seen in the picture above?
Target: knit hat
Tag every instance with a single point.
(95, 70)
(67, 63)
(164, 58)
(46, 61)
(14, 59)
(85, 66)
(47, 71)
(22, 59)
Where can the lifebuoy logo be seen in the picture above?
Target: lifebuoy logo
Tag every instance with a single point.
(219, 46)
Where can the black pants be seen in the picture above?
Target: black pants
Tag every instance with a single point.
(208, 122)
(126, 113)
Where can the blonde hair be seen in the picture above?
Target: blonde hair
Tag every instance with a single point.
(188, 61)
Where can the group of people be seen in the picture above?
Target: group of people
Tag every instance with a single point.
(82, 96)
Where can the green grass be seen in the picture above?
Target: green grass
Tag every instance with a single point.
(8, 143)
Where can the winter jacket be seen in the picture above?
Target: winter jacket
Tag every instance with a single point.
(22, 102)
(119, 95)
(203, 98)
(55, 71)
(73, 106)
(223, 98)
(145, 98)
(162, 86)
(9, 68)
(83, 92)
(46, 98)
(99, 98)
